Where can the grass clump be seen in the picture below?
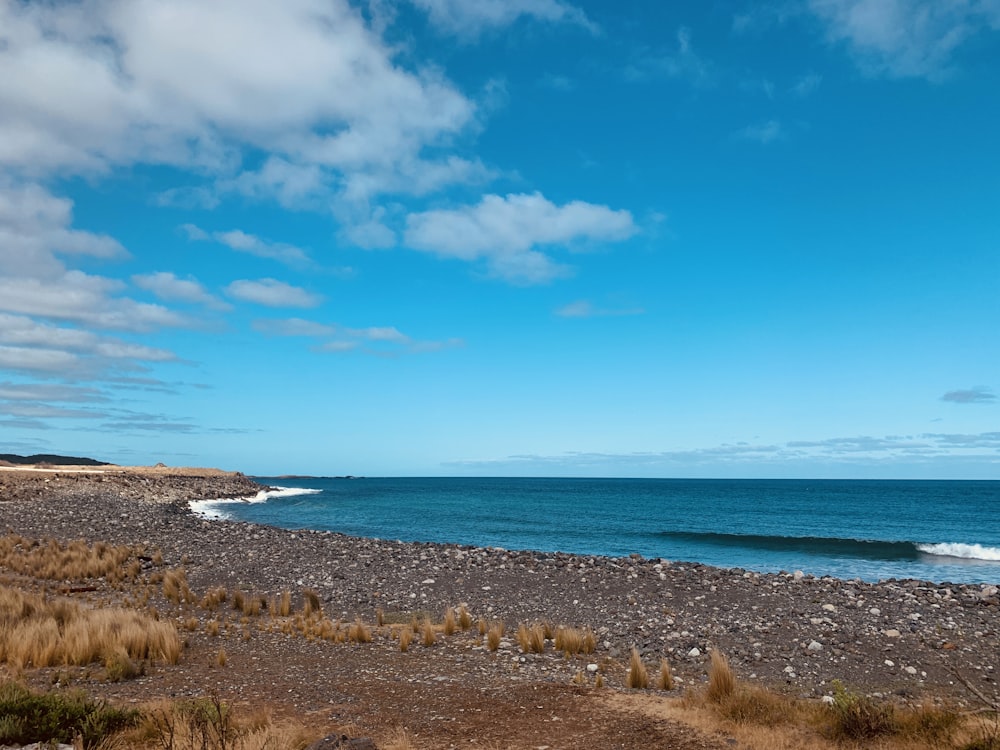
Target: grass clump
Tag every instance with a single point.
(310, 603)
(74, 561)
(428, 632)
(450, 623)
(359, 632)
(531, 638)
(405, 636)
(27, 717)
(721, 679)
(666, 679)
(637, 677)
(493, 635)
(39, 633)
(857, 718)
(175, 587)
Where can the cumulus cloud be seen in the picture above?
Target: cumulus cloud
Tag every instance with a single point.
(377, 340)
(905, 38)
(272, 293)
(168, 286)
(505, 231)
(470, 17)
(978, 395)
(240, 241)
(36, 227)
(89, 86)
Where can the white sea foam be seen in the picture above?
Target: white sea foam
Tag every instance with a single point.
(215, 509)
(966, 551)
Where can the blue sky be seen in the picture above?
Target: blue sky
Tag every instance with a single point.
(488, 237)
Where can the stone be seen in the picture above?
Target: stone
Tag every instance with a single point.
(342, 742)
(892, 633)
(829, 607)
(815, 646)
(910, 670)
(694, 652)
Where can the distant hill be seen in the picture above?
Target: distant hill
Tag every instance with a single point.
(49, 458)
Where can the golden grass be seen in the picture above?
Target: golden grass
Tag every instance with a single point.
(311, 603)
(429, 637)
(482, 626)
(74, 561)
(637, 677)
(221, 658)
(464, 618)
(531, 638)
(359, 632)
(666, 679)
(450, 623)
(405, 636)
(493, 636)
(721, 679)
(175, 587)
(38, 633)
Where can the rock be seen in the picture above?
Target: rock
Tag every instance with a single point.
(694, 652)
(891, 633)
(829, 607)
(815, 646)
(342, 742)
(988, 592)
(910, 670)
(798, 575)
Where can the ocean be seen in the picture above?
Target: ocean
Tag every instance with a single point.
(930, 530)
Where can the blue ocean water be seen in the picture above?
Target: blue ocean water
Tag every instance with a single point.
(931, 530)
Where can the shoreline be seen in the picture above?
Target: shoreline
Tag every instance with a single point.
(798, 633)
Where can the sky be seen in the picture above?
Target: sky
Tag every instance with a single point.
(503, 237)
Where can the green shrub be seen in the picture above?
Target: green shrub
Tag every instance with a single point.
(27, 717)
(858, 717)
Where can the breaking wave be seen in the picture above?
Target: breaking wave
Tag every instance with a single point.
(867, 549)
(215, 509)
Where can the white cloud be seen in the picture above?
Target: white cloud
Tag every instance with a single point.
(470, 17)
(48, 361)
(240, 241)
(88, 86)
(806, 84)
(167, 286)
(49, 392)
(21, 331)
(764, 133)
(82, 298)
(681, 62)
(35, 226)
(505, 230)
(272, 293)
(905, 38)
(586, 309)
(293, 327)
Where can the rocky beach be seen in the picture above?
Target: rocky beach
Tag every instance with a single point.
(908, 639)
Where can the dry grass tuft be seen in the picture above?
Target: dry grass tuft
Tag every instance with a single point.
(531, 639)
(493, 636)
(721, 679)
(450, 624)
(599, 681)
(464, 618)
(73, 561)
(666, 678)
(39, 633)
(359, 632)
(637, 677)
(428, 633)
(311, 603)
(175, 587)
(212, 627)
(380, 617)
(221, 658)
(482, 626)
(405, 636)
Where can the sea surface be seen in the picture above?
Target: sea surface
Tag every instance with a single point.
(930, 530)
